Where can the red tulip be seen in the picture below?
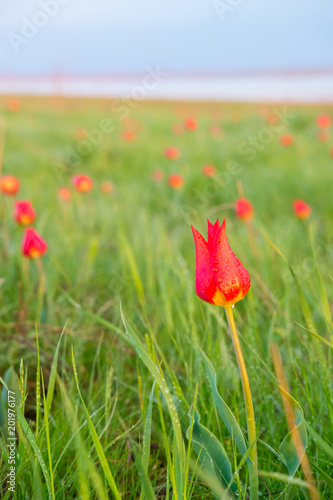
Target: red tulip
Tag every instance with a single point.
(9, 184)
(287, 140)
(172, 153)
(323, 121)
(220, 277)
(243, 209)
(216, 130)
(177, 128)
(323, 136)
(158, 175)
(82, 183)
(128, 136)
(176, 181)
(33, 245)
(13, 104)
(64, 194)
(24, 214)
(81, 133)
(302, 209)
(107, 187)
(209, 170)
(190, 124)
(272, 119)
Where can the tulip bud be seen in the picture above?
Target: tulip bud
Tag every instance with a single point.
(172, 153)
(176, 181)
(64, 194)
(243, 209)
(33, 245)
(24, 214)
(82, 183)
(301, 209)
(9, 185)
(220, 277)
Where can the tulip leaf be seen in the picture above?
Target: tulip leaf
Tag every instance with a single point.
(223, 409)
(211, 453)
(294, 444)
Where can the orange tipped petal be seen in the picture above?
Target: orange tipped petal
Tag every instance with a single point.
(205, 286)
(232, 280)
(212, 230)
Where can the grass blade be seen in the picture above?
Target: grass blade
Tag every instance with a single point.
(97, 443)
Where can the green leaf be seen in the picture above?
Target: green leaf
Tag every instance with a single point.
(320, 441)
(316, 335)
(287, 448)
(323, 474)
(97, 443)
(147, 433)
(157, 375)
(27, 431)
(9, 382)
(211, 452)
(224, 410)
(53, 375)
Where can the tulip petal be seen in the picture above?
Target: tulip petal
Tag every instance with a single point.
(212, 230)
(231, 279)
(205, 286)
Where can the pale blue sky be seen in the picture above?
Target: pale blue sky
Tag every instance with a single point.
(111, 36)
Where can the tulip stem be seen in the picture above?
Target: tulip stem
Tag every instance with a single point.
(251, 425)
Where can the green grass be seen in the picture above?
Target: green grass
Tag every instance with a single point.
(102, 430)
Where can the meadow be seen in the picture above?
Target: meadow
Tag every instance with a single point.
(110, 407)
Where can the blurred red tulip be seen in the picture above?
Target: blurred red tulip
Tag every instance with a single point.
(13, 104)
(243, 209)
(33, 245)
(158, 175)
(172, 153)
(64, 194)
(272, 119)
(107, 187)
(220, 277)
(24, 214)
(82, 183)
(81, 133)
(302, 209)
(209, 170)
(191, 124)
(176, 181)
(9, 184)
(216, 130)
(287, 140)
(129, 136)
(323, 136)
(177, 128)
(323, 121)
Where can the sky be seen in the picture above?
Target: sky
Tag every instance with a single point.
(95, 37)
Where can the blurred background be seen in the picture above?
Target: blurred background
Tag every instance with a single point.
(196, 49)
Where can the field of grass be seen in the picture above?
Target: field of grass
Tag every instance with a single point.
(124, 427)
